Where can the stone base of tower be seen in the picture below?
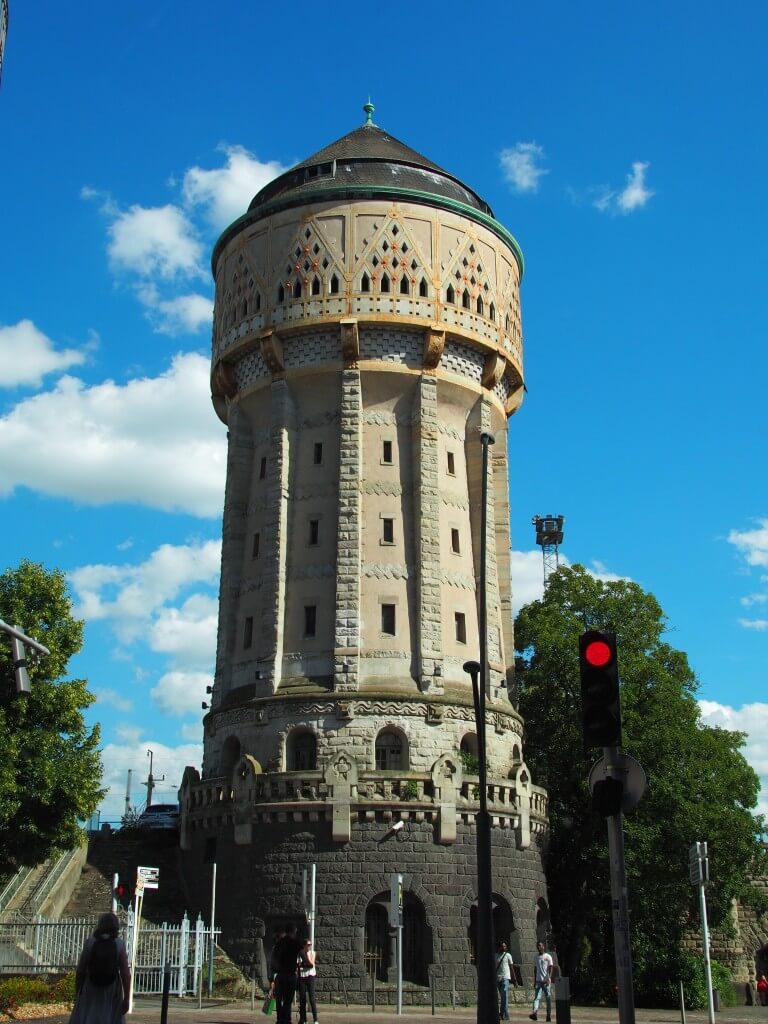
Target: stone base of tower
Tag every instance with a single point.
(260, 888)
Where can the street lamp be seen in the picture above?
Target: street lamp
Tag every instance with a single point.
(487, 1003)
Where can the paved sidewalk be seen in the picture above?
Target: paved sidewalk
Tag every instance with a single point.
(147, 1011)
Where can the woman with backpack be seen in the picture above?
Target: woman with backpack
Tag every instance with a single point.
(103, 977)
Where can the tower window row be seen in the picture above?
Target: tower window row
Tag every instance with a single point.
(388, 624)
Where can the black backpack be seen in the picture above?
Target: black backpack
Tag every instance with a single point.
(103, 965)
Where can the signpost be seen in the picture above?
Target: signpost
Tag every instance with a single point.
(396, 921)
(698, 872)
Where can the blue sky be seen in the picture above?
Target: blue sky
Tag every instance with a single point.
(623, 145)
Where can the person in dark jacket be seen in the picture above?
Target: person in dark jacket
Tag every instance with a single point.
(285, 956)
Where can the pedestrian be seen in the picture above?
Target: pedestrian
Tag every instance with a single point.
(307, 975)
(542, 981)
(504, 964)
(762, 989)
(102, 977)
(285, 956)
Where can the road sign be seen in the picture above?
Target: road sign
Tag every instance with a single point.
(148, 878)
(396, 900)
(698, 864)
(632, 776)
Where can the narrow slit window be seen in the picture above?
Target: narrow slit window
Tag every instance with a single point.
(388, 531)
(310, 619)
(384, 283)
(388, 619)
(281, 294)
(465, 299)
(248, 631)
(263, 468)
(314, 532)
(297, 289)
(460, 622)
(334, 285)
(386, 452)
(256, 545)
(455, 541)
(317, 453)
(450, 295)
(315, 285)
(245, 308)
(451, 464)
(480, 306)
(423, 288)
(405, 285)
(365, 283)
(258, 301)
(491, 312)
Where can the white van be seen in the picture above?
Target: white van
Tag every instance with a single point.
(162, 816)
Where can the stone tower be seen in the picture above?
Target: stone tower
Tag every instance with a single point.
(366, 331)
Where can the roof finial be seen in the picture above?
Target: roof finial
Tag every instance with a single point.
(369, 109)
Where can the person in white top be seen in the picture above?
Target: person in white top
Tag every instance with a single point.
(307, 975)
(504, 964)
(542, 981)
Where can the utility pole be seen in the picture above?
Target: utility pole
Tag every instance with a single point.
(150, 783)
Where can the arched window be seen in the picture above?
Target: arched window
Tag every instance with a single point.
(405, 285)
(465, 299)
(297, 289)
(301, 751)
(281, 294)
(423, 289)
(315, 285)
(416, 937)
(230, 755)
(450, 294)
(506, 323)
(492, 312)
(390, 753)
(480, 306)
(258, 301)
(244, 312)
(365, 283)
(334, 285)
(384, 283)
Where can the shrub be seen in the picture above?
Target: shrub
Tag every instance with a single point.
(18, 990)
(410, 790)
(471, 762)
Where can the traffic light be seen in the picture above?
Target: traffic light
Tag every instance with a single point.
(600, 706)
(122, 892)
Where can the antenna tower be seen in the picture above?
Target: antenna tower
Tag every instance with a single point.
(549, 535)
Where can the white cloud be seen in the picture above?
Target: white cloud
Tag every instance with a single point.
(520, 166)
(527, 578)
(189, 632)
(136, 597)
(751, 719)
(184, 314)
(752, 545)
(190, 731)
(759, 625)
(226, 192)
(114, 699)
(132, 754)
(182, 693)
(27, 355)
(152, 441)
(633, 196)
(138, 600)
(158, 240)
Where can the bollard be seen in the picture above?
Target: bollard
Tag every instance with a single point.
(253, 990)
(373, 992)
(453, 991)
(563, 1000)
(750, 994)
(682, 1003)
(166, 993)
(432, 990)
(716, 1000)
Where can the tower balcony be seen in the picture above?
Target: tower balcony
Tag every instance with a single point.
(445, 797)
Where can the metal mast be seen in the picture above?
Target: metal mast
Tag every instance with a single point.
(549, 535)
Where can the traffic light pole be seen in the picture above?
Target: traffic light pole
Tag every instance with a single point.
(620, 899)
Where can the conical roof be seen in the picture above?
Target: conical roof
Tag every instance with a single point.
(367, 156)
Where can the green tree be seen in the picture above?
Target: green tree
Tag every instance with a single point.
(50, 769)
(700, 787)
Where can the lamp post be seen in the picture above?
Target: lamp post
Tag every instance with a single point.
(487, 1003)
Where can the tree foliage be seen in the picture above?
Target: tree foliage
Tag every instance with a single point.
(700, 787)
(50, 769)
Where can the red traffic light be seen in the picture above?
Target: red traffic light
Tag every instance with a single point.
(121, 890)
(597, 653)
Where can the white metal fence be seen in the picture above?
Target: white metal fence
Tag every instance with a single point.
(47, 946)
